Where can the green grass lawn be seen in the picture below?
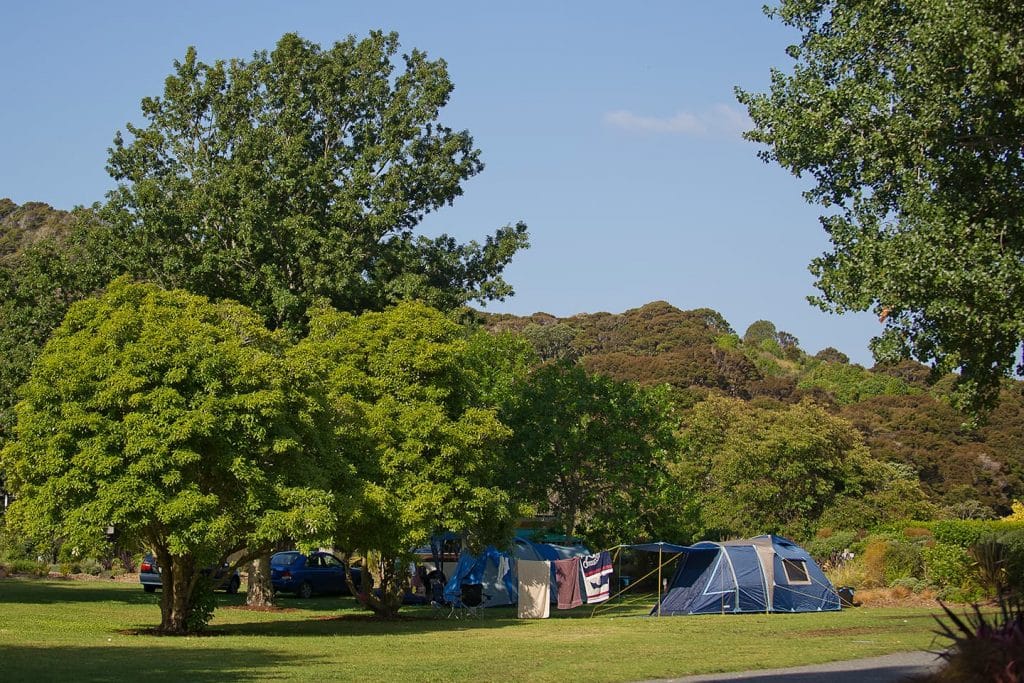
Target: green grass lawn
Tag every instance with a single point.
(87, 631)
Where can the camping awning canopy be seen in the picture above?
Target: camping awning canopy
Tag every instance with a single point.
(661, 547)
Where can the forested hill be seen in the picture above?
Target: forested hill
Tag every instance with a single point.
(901, 411)
(23, 225)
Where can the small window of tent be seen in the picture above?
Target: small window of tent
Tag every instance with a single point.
(796, 572)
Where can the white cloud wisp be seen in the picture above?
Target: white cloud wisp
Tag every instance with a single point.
(721, 120)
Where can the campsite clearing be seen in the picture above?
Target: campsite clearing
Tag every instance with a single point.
(95, 630)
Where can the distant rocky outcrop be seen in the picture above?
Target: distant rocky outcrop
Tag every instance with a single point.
(21, 226)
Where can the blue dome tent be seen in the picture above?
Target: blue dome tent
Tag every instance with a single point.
(762, 574)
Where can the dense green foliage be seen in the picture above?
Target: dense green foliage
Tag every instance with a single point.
(174, 420)
(960, 560)
(593, 450)
(903, 413)
(907, 116)
(302, 173)
(780, 469)
(415, 397)
(851, 384)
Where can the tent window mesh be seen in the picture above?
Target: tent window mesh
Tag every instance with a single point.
(796, 571)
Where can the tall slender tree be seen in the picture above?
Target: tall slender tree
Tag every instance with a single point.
(908, 117)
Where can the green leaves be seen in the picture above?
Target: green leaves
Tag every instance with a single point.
(593, 450)
(298, 174)
(908, 117)
(414, 397)
(753, 470)
(163, 413)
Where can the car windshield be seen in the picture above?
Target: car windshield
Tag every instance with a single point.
(286, 559)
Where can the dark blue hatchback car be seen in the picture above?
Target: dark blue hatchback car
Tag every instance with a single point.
(304, 575)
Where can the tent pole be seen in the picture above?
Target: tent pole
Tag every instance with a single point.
(659, 581)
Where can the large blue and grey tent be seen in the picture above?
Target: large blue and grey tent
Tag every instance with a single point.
(762, 574)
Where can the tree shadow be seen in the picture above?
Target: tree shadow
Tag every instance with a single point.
(94, 663)
(57, 591)
(365, 624)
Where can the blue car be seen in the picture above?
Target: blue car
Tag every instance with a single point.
(304, 575)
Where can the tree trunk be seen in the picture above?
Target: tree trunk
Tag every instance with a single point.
(178, 581)
(388, 575)
(260, 592)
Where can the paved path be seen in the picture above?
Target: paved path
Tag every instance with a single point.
(885, 669)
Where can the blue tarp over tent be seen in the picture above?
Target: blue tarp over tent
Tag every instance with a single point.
(762, 574)
(496, 570)
(485, 569)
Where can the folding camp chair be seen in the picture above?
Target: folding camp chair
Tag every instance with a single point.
(471, 599)
(442, 606)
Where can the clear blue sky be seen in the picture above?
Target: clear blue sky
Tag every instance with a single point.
(610, 128)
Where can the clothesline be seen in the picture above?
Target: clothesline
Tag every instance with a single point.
(606, 606)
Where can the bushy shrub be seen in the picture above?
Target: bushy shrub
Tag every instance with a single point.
(903, 560)
(13, 546)
(203, 603)
(911, 584)
(1014, 542)
(26, 566)
(962, 532)
(90, 566)
(917, 533)
(948, 568)
(874, 563)
(828, 546)
(850, 573)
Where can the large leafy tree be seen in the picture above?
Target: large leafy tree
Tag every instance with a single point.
(415, 396)
(775, 468)
(177, 421)
(908, 116)
(592, 450)
(298, 174)
(302, 172)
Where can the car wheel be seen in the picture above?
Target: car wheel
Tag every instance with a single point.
(148, 588)
(306, 590)
(233, 585)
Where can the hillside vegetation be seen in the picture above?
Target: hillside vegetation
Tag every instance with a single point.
(901, 411)
(21, 226)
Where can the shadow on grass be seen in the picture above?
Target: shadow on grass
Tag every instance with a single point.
(139, 662)
(364, 624)
(61, 591)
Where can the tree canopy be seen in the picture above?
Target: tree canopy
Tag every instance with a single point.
(908, 117)
(302, 173)
(415, 393)
(754, 469)
(174, 420)
(592, 450)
